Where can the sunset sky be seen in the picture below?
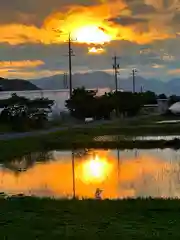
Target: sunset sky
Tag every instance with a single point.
(144, 33)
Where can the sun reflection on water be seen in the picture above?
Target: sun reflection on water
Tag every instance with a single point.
(96, 170)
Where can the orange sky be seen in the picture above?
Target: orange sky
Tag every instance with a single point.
(78, 20)
(32, 31)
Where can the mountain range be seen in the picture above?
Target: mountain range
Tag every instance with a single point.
(104, 80)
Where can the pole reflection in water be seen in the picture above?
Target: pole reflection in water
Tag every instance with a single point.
(73, 176)
(118, 160)
(117, 173)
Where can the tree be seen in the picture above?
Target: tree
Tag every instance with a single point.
(173, 99)
(148, 97)
(22, 113)
(85, 103)
(162, 96)
(127, 103)
(82, 103)
(104, 106)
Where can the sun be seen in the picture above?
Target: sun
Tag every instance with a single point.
(91, 34)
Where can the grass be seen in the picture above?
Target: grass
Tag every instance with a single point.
(83, 137)
(13, 148)
(31, 218)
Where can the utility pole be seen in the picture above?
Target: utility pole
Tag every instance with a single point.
(70, 54)
(134, 71)
(116, 67)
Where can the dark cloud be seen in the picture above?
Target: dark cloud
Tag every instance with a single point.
(141, 8)
(176, 18)
(34, 11)
(125, 21)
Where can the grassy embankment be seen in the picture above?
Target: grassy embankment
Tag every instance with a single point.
(83, 137)
(73, 139)
(31, 218)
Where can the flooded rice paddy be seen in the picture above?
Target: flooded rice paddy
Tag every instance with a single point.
(119, 174)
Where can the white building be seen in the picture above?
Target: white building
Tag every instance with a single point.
(175, 108)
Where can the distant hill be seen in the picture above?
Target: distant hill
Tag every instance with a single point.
(16, 85)
(104, 80)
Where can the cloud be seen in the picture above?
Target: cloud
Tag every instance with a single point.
(23, 69)
(157, 66)
(21, 64)
(28, 74)
(125, 21)
(143, 33)
(174, 71)
(69, 18)
(32, 11)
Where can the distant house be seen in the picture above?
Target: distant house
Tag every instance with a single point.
(160, 108)
(163, 105)
(149, 109)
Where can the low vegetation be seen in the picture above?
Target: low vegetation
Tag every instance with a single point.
(31, 218)
(73, 140)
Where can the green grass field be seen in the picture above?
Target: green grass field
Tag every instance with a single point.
(45, 219)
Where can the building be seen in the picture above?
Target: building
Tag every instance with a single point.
(175, 108)
(160, 108)
(163, 105)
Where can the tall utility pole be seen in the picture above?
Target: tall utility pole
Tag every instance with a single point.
(134, 71)
(116, 67)
(70, 54)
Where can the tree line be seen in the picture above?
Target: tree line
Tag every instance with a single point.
(85, 103)
(22, 114)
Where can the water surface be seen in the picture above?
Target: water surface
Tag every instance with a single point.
(120, 174)
(112, 138)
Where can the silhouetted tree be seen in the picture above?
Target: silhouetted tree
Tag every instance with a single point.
(82, 103)
(173, 99)
(162, 96)
(22, 113)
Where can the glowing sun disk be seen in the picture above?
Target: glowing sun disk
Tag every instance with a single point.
(91, 35)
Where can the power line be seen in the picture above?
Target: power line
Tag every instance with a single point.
(116, 67)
